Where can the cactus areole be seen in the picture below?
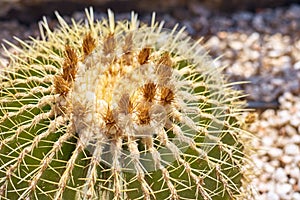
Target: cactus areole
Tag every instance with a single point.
(117, 110)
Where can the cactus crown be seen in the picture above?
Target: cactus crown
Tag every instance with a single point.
(117, 111)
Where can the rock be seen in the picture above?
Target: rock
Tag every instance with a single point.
(275, 163)
(295, 120)
(252, 39)
(268, 141)
(291, 149)
(286, 159)
(263, 187)
(243, 16)
(258, 23)
(290, 130)
(280, 175)
(296, 196)
(293, 12)
(283, 189)
(297, 160)
(297, 65)
(295, 173)
(296, 138)
(284, 116)
(236, 45)
(213, 43)
(292, 181)
(269, 168)
(275, 53)
(275, 152)
(268, 114)
(272, 196)
(197, 8)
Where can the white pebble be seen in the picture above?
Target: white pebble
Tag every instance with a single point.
(252, 39)
(284, 116)
(291, 149)
(272, 196)
(269, 113)
(265, 177)
(263, 187)
(296, 196)
(275, 53)
(287, 105)
(280, 175)
(297, 159)
(213, 43)
(275, 152)
(269, 168)
(295, 172)
(296, 138)
(290, 130)
(297, 65)
(292, 181)
(286, 159)
(268, 141)
(283, 141)
(236, 45)
(275, 163)
(295, 120)
(283, 189)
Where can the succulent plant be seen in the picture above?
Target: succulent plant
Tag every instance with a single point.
(106, 110)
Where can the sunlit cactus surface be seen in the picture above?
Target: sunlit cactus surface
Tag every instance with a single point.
(118, 110)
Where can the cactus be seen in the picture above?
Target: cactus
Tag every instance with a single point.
(105, 110)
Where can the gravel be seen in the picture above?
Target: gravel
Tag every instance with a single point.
(262, 48)
(278, 175)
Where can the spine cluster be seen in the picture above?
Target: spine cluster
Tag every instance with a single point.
(106, 110)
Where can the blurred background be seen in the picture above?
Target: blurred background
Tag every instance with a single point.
(259, 42)
(28, 10)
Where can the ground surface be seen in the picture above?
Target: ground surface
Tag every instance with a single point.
(262, 47)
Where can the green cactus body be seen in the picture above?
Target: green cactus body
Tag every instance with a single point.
(105, 110)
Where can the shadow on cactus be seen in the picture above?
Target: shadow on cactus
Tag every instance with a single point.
(105, 110)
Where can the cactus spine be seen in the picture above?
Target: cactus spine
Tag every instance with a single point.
(105, 110)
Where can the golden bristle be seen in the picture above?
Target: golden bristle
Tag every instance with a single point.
(143, 114)
(128, 43)
(70, 64)
(61, 85)
(166, 96)
(88, 44)
(125, 105)
(144, 55)
(149, 91)
(111, 124)
(165, 60)
(109, 44)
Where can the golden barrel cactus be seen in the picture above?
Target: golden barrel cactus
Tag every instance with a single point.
(118, 110)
